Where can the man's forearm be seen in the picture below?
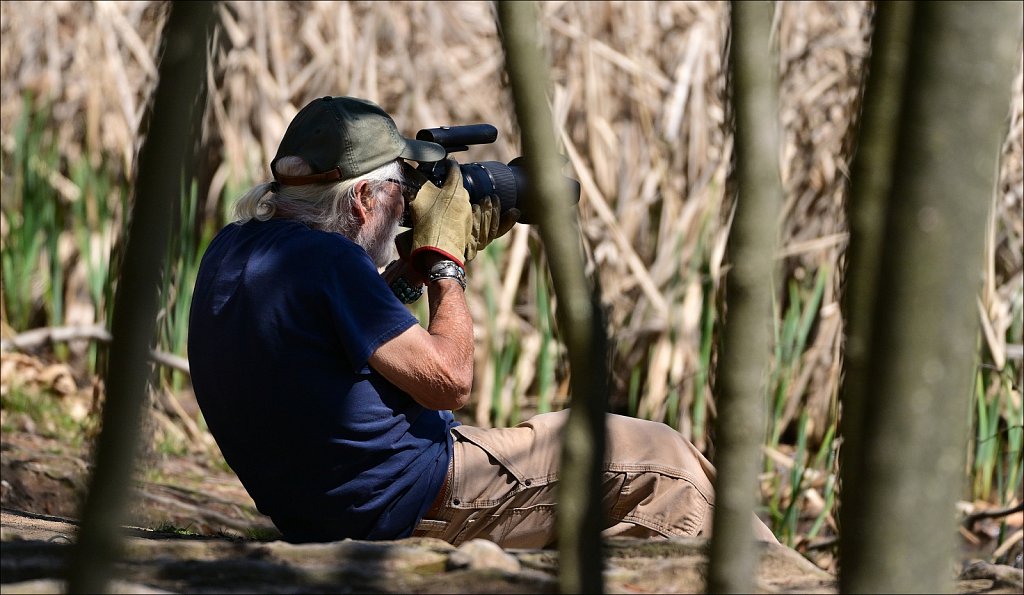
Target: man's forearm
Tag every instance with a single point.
(434, 365)
(452, 328)
(451, 331)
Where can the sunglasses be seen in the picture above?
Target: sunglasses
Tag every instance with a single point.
(408, 194)
(408, 191)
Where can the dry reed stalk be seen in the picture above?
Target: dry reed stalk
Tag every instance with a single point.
(1004, 263)
(638, 93)
(823, 50)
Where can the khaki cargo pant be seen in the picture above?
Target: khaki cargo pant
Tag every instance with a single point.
(502, 484)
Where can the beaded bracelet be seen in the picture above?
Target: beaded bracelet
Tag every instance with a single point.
(404, 291)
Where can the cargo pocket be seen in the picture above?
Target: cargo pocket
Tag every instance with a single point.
(665, 501)
(509, 505)
(484, 475)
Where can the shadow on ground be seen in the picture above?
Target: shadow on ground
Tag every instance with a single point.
(194, 529)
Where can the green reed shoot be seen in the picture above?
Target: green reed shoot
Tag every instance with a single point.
(986, 440)
(792, 513)
(707, 338)
(791, 336)
(634, 391)
(1013, 415)
(95, 214)
(181, 265)
(548, 348)
(998, 433)
(1013, 454)
(506, 409)
(486, 268)
(829, 449)
(674, 399)
(31, 213)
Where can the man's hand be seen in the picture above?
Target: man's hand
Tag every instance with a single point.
(403, 244)
(489, 224)
(442, 219)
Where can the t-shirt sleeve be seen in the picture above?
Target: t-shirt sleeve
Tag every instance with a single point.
(361, 307)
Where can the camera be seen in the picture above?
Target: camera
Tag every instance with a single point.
(485, 178)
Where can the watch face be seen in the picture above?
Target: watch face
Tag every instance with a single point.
(447, 269)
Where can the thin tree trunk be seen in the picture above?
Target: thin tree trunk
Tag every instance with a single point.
(580, 514)
(179, 98)
(872, 173)
(746, 338)
(915, 377)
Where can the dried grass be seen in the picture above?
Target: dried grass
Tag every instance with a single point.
(823, 53)
(638, 94)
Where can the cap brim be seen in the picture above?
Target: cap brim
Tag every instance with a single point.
(423, 151)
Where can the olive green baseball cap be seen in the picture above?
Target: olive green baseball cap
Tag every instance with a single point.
(345, 137)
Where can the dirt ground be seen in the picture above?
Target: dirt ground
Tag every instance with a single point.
(179, 493)
(193, 528)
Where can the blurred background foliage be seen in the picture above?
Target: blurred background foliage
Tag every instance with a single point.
(638, 93)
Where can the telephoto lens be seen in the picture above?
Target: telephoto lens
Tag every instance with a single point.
(493, 178)
(509, 183)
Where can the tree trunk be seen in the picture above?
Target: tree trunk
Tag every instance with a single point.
(580, 513)
(908, 455)
(180, 96)
(746, 338)
(872, 171)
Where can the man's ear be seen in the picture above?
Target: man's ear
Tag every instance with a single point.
(361, 199)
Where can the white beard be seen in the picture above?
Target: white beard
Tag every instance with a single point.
(378, 240)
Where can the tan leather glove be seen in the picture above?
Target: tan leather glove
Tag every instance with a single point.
(442, 218)
(489, 224)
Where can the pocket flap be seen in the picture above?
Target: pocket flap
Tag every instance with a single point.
(495, 443)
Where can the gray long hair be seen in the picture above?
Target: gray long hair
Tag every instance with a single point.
(326, 207)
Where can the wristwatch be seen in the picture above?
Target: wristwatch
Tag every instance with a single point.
(447, 269)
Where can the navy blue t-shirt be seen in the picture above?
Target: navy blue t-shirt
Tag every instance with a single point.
(283, 321)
